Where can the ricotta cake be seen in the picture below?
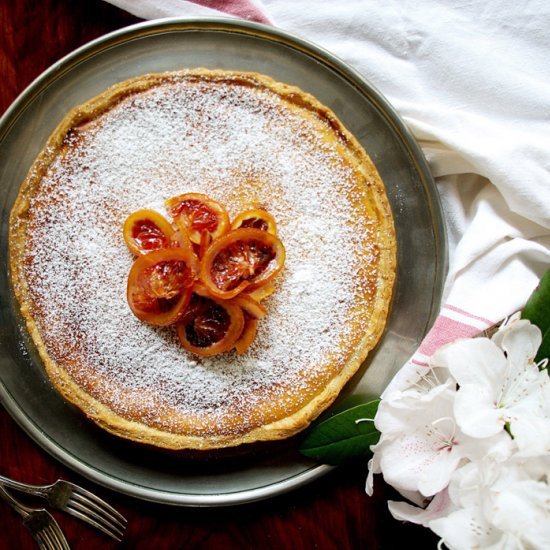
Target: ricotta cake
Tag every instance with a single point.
(246, 141)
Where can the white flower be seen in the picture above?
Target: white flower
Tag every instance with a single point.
(466, 528)
(498, 505)
(470, 437)
(499, 385)
(523, 510)
(421, 444)
(439, 506)
(518, 500)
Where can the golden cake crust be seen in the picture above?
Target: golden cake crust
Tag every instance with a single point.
(245, 140)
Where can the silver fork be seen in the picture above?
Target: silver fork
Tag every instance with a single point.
(41, 524)
(68, 497)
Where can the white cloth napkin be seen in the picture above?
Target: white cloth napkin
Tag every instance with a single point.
(472, 81)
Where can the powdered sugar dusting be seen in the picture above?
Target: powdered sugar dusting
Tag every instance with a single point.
(226, 141)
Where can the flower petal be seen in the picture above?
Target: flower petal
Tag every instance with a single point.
(476, 412)
(412, 451)
(373, 468)
(439, 506)
(532, 435)
(475, 361)
(395, 416)
(523, 509)
(520, 340)
(466, 528)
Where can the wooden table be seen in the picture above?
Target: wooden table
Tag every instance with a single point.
(333, 512)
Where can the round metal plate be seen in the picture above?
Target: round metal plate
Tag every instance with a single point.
(174, 44)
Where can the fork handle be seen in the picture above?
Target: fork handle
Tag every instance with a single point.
(4, 495)
(18, 486)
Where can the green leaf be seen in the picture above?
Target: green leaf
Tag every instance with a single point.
(344, 436)
(537, 310)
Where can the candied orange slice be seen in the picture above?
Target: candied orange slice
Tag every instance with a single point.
(257, 218)
(248, 335)
(200, 214)
(209, 325)
(159, 285)
(260, 293)
(250, 306)
(242, 258)
(147, 230)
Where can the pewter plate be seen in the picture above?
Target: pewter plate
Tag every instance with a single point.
(215, 43)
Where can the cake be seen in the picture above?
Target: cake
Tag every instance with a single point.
(248, 142)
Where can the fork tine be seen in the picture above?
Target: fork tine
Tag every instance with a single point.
(53, 539)
(42, 542)
(58, 537)
(110, 530)
(99, 502)
(86, 506)
(45, 540)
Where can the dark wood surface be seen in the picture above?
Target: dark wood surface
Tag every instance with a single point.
(331, 513)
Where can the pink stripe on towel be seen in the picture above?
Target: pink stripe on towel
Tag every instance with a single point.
(444, 331)
(467, 314)
(240, 8)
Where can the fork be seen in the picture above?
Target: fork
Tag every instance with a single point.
(68, 497)
(41, 524)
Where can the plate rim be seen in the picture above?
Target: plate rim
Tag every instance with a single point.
(348, 74)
